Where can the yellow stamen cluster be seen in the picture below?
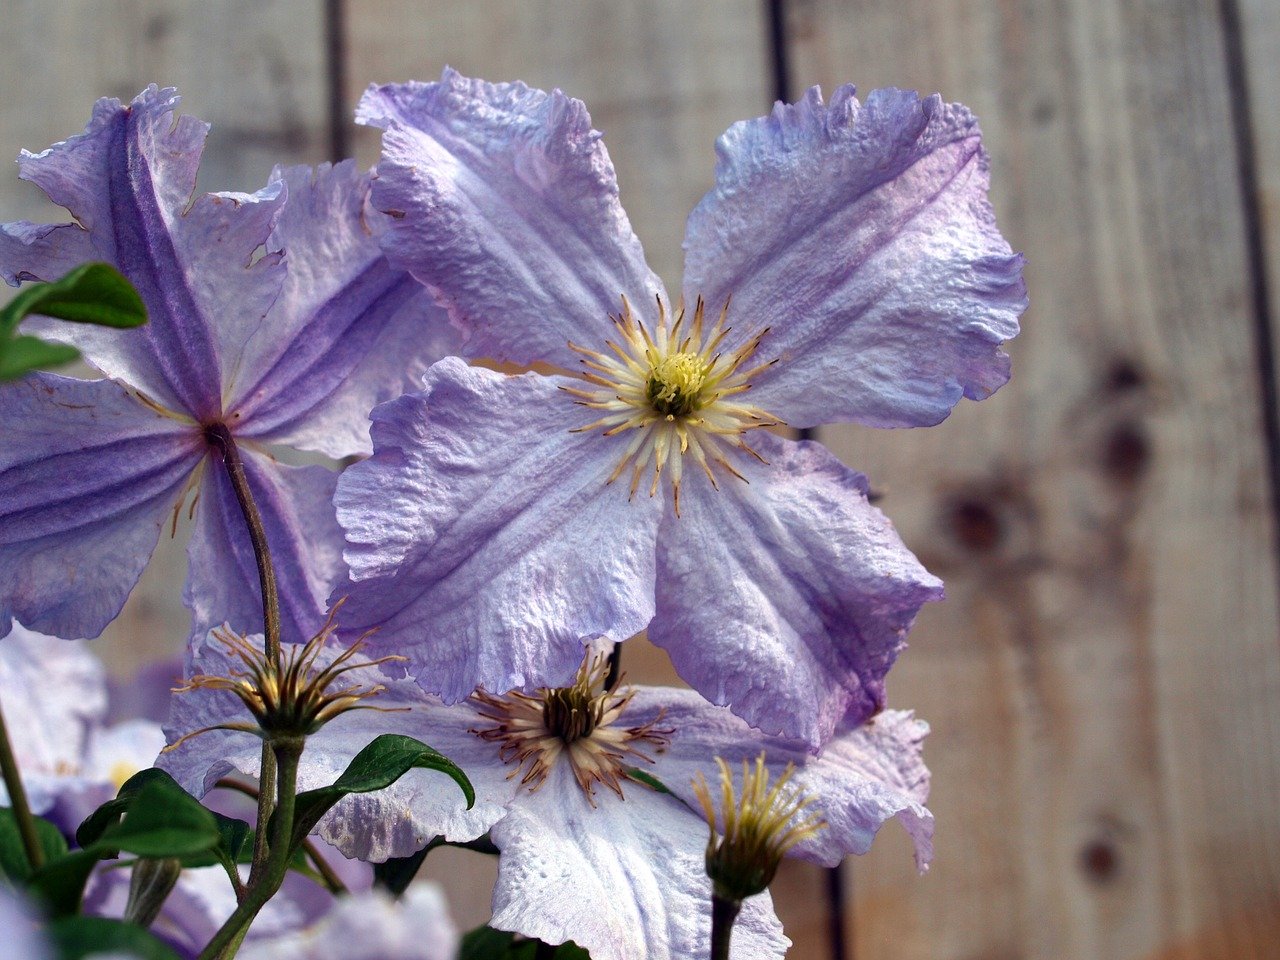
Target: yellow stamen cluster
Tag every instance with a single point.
(578, 723)
(676, 390)
(291, 696)
(757, 827)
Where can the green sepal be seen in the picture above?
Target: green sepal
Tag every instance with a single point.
(94, 293)
(13, 854)
(77, 937)
(384, 761)
(22, 355)
(648, 779)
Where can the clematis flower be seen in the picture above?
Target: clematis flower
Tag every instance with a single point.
(271, 322)
(53, 693)
(588, 853)
(846, 267)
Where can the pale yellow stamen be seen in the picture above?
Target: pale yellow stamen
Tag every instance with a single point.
(673, 387)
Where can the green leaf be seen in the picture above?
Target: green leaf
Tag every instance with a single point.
(486, 943)
(648, 779)
(22, 354)
(60, 883)
(163, 820)
(109, 814)
(384, 761)
(92, 293)
(13, 855)
(79, 937)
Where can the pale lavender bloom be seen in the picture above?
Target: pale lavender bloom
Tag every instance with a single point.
(53, 693)
(21, 925)
(487, 537)
(622, 875)
(280, 321)
(370, 926)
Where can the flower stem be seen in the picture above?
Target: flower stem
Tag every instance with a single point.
(723, 913)
(18, 800)
(227, 939)
(220, 437)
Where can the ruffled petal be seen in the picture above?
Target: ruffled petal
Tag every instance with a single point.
(394, 822)
(54, 693)
(347, 331)
(862, 237)
(504, 201)
(128, 180)
(88, 478)
(786, 598)
(864, 777)
(624, 879)
(41, 251)
(483, 539)
(302, 534)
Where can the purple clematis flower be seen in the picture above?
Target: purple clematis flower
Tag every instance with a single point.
(846, 266)
(587, 853)
(273, 322)
(54, 696)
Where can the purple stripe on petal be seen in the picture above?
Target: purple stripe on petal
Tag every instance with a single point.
(504, 201)
(88, 477)
(302, 535)
(862, 237)
(348, 330)
(787, 598)
(483, 539)
(128, 179)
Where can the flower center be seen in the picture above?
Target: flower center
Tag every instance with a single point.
(676, 391)
(578, 723)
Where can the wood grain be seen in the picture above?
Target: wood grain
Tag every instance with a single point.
(1104, 680)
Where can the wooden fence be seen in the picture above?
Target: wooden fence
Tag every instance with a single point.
(1104, 679)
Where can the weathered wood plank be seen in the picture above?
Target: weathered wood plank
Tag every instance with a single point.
(1104, 681)
(662, 80)
(255, 70)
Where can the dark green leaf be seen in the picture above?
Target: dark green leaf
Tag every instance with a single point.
(380, 764)
(396, 874)
(13, 855)
(109, 813)
(93, 293)
(60, 883)
(486, 943)
(22, 355)
(78, 937)
(163, 820)
(648, 779)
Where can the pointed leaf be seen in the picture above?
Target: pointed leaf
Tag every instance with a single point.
(22, 355)
(162, 821)
(13, 855)
(109, 814)
(384, 761)
(92, 293)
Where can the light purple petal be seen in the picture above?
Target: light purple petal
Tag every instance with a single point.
(862, 237)
(302, 534)
(483, 540)
(394, 822)
(347, 331)
(128, 179)
(787, 598)
(504, 201)
(625, 879)
(21, 924)
(371, 926)
(864, 777)
(111, 757)
(53, 693)
(88, 478)
(41, 251)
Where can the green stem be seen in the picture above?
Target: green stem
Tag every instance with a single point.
(227, 939)
(723, 914)
(220, 437)
(18, 800)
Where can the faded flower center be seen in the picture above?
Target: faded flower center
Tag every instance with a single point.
(578, 724)
(676, 392)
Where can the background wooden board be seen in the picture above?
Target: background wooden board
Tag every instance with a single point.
(1104, 680)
